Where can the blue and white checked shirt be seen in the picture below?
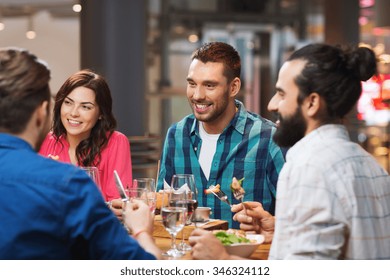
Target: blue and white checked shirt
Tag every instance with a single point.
(244, 149)
(333, 201)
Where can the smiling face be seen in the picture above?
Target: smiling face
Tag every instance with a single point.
(291, 123)
(79, 113)
(210, 95)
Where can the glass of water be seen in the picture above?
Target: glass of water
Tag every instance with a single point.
(174, 216)
(149, 185)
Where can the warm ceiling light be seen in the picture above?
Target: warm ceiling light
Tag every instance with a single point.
(2, 25)
(77, 8)
(179, 29)
(30, 34)
(193, 38)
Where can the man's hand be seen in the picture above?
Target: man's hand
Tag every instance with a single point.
(205, 246)
(255, 218)
(116, 207)
(137, 217)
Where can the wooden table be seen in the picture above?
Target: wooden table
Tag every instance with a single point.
(163, 241)
(261, 252)
(160, 231)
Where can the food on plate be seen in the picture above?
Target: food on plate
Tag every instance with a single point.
(232, 236)
(236, 186)
(214, 188)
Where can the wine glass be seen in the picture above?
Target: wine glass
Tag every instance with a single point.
(149, 185)
(93, 172)
(174, 216)
(187, 182)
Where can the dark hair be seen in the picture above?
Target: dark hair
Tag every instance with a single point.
(335, 73)
(24, 85)
(88, 151)
(220, 52)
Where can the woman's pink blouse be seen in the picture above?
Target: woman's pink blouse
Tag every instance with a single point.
(115, 156)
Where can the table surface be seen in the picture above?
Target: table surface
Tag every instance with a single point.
(261, 252)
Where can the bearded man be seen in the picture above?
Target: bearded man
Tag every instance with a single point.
(333, 197)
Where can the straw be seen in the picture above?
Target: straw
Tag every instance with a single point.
(158, 171)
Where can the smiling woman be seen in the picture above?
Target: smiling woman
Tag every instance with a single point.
(79, 114)
(83, 131)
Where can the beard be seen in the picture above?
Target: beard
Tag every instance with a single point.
(216, 113)
(291, 129)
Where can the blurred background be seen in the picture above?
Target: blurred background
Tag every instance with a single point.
(143, 48)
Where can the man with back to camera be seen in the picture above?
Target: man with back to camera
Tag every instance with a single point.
(221, 139)
(52, 210)
(333, 197)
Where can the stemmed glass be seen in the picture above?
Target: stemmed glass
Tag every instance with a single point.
(93, 172)
(174, 215)
(149, 185)
(187, 182)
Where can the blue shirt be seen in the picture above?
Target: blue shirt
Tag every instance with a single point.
(244, 150)
(52, 210)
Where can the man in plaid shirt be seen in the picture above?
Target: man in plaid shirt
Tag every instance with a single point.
(221, 139)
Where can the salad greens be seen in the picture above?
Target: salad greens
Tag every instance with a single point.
(230, 238)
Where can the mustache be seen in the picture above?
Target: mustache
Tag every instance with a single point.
(276, 116)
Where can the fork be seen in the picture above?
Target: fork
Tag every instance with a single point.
(220, 194)
(239, 195)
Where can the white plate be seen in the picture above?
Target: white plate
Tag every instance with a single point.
(244, 250)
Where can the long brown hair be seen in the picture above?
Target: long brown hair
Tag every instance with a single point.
(89, 150)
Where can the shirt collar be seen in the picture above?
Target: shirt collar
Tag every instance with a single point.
(238, 121)
(13, 142)
(327, 131)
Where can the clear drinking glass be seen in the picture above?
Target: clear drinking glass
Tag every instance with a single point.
(174, 216)
(149, 185)
(136, 194)
(187, 182)
(93, 172)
